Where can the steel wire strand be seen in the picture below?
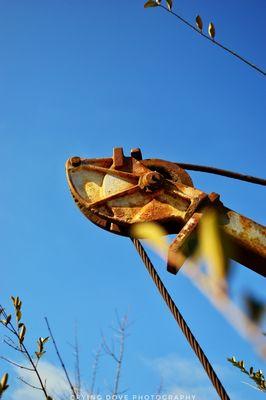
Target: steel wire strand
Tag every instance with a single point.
(223, 172)
(181, 322)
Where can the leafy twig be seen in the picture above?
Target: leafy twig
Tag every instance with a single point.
(198, 29)
(19, 332)
(256, 376)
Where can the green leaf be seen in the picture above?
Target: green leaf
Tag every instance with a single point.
(151, 3)
(169, 4)
(4, 380)
(22, 333)
(199, 22)
(211, 30)
(18, 315)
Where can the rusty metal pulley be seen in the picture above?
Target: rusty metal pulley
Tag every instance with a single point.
(117, 192)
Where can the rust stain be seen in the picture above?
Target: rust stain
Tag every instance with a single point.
(135, 190)
(119, 191)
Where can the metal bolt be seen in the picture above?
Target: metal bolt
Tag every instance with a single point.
(75, 161)
(151, 181)
(136, 153)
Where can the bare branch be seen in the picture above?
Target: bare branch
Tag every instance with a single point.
(77, 366)
(14, 347)
(29, 384)
(61, 360)
(16, 365)
(123, 326)
(95, 369)
(108, 350)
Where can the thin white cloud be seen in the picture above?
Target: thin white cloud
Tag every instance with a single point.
(173, 367)
(182, 376)
(55, 381)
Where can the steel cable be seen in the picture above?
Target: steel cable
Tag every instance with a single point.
(180, 320)
(223, 172)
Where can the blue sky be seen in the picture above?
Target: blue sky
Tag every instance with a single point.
(79, 78)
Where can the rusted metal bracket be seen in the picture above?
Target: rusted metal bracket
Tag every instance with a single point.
(117, 192)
